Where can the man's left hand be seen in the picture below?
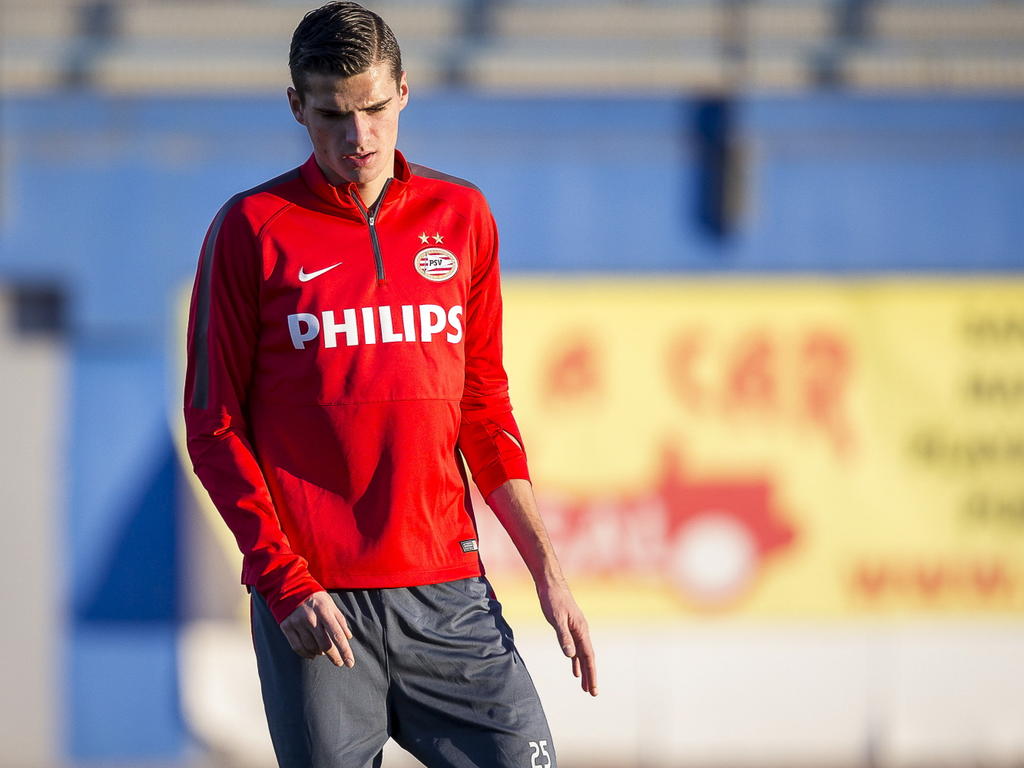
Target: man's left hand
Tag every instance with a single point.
(570, 625)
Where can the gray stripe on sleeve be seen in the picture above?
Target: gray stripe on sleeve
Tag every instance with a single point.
(430, 173)
(201, 380)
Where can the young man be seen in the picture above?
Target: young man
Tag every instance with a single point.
(344, 356)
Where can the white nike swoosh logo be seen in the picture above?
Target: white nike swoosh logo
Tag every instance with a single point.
(306, 276)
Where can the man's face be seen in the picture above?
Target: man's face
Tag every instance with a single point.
(353, 124)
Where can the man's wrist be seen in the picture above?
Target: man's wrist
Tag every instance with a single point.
(549, 578)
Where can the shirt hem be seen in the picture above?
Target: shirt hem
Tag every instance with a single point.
(350, 580)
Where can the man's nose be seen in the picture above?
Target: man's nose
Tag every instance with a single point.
(358, 130)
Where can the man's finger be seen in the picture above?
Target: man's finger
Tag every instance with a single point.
(565, 638)
(310, 641)
(321, 638)
(339, 633)
(290, 637)
(587, 679)
(590, 672)
(327, 645)
(307, 635)
(590, 677)
(588, 662)
(296, 641)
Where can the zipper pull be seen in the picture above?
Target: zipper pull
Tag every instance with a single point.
(372, 219)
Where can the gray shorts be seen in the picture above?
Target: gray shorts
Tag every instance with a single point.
(436, 670)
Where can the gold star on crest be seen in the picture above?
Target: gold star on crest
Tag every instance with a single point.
(423, 238)
(438, 238)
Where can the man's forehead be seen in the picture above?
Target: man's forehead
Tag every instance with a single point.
(366, 88)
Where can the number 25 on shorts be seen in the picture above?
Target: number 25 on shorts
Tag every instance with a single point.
(540, 753)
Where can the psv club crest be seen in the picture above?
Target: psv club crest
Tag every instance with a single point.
(436, 264)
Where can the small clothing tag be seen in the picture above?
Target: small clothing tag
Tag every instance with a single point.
(469, 545)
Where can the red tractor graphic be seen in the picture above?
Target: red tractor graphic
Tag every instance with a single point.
(720, 533)
(708, 538)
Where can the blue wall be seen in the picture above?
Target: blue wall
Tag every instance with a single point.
(110, 198)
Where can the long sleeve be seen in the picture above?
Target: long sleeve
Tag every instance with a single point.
(223, 332)
(488, 437)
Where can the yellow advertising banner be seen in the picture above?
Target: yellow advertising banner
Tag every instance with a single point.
(772, 447)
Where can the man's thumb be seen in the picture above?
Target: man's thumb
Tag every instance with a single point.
(565, 640)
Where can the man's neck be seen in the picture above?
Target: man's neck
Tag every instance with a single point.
(369, 193)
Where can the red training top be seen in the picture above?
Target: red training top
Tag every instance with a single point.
(339, 360)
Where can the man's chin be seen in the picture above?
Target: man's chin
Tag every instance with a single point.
(358, 176)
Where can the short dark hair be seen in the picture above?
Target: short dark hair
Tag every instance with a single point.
(341, 38)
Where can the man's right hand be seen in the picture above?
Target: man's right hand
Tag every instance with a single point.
(318, 627)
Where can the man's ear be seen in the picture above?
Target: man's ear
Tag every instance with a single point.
(403, 92)
(295, 104)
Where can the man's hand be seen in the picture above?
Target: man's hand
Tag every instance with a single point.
(565, 616)
(318, 627)
(514, 505)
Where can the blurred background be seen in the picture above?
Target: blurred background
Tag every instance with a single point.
(765, 334)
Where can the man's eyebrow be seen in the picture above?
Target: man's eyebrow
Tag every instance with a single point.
(378, 105)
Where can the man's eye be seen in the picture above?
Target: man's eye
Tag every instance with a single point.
(376, 109)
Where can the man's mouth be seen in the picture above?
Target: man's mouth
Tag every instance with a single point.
(359, 159)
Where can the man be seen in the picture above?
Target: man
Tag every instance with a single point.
(344, 355)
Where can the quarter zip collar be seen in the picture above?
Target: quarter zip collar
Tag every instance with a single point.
(343, 198)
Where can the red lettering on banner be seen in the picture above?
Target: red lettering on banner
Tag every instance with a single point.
(990, 578)
(871, 580)
(683, 352)
(572, 372)
(751, 381)
(826, 373)
(766, 375)
(930, 580)
(933, 580)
